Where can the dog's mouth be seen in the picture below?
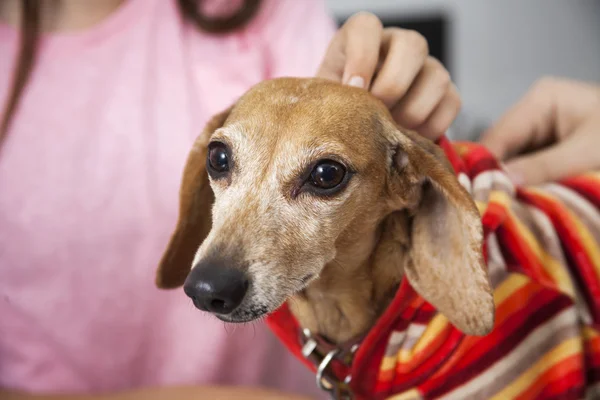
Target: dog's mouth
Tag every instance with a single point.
(244, 314)
(251, 310)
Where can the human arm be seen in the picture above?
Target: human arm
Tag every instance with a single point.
(551, 133)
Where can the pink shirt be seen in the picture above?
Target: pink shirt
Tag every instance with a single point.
(89, 177)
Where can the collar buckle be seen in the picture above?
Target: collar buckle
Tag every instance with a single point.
(321, 353)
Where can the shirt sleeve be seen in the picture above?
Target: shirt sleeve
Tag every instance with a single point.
(295, 34)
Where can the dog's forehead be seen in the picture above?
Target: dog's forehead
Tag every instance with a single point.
(307, 112)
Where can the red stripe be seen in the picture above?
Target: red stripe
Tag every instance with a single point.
(569, 386)
(592, 352)
(530, 297)
(478, 160)
(285, 327)
(575, 393)
(494, 216)
(560, 377)
(569, 395)
(592, 359)
(493, 347)
(369, 355)
(572, 244)
(418, 359)
(451, 155)
(518, 298)
(512, 243)
(424, 316)
(423, 372)
(422, 365)
(586, 187)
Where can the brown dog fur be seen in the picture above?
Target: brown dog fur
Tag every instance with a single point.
(338, 259)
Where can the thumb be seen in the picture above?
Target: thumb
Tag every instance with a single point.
(567, 158)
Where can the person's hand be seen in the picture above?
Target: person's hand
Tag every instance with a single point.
(553, 132)
(395, 65)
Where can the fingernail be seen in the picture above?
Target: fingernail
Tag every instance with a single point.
(356, 81)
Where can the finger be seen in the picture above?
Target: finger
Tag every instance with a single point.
(363, 41)
(359, 43)
(424, 96)
(442, 116)
(332, 66)
(569, 157)
(405, 53)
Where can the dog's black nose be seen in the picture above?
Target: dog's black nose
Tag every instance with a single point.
(216, 288)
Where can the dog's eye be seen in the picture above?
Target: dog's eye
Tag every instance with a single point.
(327, 174)
(218, 157)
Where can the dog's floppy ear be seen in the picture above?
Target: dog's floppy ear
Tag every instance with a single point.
(446, 264)
(195, 206)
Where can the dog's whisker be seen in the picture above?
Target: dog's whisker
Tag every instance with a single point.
(226, 328)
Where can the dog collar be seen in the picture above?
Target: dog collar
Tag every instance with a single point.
(350, 370)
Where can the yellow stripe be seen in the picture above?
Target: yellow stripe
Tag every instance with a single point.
(496, 196)
(412, 394)
(554, 268)
(509, 286)
(387, 363)
(506, 289)
(587, 239)
(481, 206)
(500, 197)
(435, 326)
(562, 351)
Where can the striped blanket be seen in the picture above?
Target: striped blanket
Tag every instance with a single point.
(542, 247)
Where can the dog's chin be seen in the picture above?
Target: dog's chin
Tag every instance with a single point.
(244, 315)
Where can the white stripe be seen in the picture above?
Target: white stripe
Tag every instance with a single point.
(494, 252)
(592, 215)
(496, 264)
(396, 338)
(413, 334)
(549, 234)
(592, 392)
(482, 186)
(488, 180)
(464, 180)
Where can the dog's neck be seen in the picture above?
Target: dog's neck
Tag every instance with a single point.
(355, 288)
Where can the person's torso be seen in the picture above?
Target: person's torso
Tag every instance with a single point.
(89, 178)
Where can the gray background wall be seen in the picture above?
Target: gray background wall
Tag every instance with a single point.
(497, 49)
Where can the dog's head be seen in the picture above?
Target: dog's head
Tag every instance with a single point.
(301, 169)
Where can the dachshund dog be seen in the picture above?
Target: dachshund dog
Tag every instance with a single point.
(305, 196)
